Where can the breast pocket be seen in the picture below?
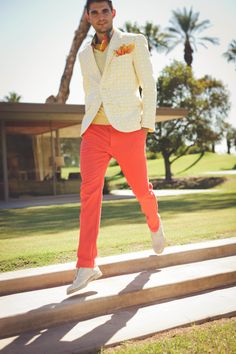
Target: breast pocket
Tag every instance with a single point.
(122, 58)
(121, 67)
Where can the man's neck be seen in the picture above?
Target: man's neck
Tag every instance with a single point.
(100, 35)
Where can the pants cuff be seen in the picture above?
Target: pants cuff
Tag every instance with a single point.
(85, 263)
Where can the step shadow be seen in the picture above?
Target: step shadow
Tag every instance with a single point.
(50, 341)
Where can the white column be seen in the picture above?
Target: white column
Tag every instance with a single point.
(4, 162)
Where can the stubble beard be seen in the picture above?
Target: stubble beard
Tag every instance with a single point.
(104, 31)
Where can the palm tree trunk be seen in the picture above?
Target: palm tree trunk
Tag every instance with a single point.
(188, 53)
(80, 35)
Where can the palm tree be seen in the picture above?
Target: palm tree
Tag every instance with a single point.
(156, 39)
(230, 55)
(184, 29)
(79, 36)
(12, 97)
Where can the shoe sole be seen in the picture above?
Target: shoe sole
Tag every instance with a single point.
(159, 251)
(93, 277)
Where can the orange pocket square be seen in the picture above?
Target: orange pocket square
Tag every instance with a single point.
(124, 49)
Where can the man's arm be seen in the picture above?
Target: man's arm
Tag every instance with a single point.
(144, 71)
(85, 83)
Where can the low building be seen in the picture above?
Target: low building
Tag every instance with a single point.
(40, 145)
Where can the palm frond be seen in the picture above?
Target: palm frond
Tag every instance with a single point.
(212, 40)
(230, 55)
(184, 27)
(201, 26)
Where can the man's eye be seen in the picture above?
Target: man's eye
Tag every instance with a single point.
(106, 11)
(93, 13)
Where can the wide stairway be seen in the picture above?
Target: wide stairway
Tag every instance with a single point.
(139, 294)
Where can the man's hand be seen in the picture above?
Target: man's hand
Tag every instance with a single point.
(146, 130)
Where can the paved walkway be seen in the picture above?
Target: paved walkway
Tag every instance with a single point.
(163, 192)
(223, 172)
(73, 198)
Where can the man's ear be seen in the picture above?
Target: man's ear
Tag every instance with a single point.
(87, 16)
(113, 13)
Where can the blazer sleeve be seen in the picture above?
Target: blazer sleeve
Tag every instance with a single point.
(145, 75)
(85, 80)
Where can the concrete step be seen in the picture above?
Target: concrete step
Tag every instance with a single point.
(62, 274)
(44, 308)
(89, 336)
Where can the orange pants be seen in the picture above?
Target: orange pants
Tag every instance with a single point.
(99, 144)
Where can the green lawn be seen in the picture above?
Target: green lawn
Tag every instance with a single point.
(66, 170)
(216, 337)
(45, 235)
(182, 167)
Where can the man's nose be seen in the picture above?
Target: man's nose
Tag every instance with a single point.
(101, 16)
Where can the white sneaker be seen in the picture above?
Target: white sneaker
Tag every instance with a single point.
(158, 239)
(82, 277)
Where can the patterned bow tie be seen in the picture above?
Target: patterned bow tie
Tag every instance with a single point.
(105, 41)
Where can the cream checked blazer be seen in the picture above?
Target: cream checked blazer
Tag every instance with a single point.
(118, 87)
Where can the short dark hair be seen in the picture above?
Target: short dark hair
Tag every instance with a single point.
(89, 2)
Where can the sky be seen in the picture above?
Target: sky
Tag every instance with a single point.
(36, 35)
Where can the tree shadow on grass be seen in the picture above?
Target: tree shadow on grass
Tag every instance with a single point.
(192, 164)
(206, 203)
(45, 221)
(174, 205)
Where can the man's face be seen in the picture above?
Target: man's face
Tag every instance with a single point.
(100, 16)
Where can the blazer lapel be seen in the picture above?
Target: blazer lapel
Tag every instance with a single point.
(110, 53)
(112, 46)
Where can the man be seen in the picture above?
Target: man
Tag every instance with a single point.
(116, 122)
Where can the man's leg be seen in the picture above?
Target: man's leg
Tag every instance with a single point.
(94, 159)
(129, 150)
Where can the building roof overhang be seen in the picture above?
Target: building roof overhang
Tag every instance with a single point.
(38, 118)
